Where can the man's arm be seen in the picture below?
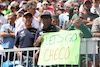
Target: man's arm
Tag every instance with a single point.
(9, 30)
(15, 47)
(36, 44)
(96, 35)
(88, 23)
(4, 34)
(18, 53)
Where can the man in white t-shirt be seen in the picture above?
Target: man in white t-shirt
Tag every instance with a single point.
(95, 7)
(31, 8)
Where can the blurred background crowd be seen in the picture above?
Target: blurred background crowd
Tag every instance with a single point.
(65, 14)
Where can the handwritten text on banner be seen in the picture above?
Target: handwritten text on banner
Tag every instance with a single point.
(60, 48)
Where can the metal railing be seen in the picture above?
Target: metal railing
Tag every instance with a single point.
(88, 46)
(91, 47)
(17, 50)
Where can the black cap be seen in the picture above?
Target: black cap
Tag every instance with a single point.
(27, 13)
(57, 8)
(46, 13)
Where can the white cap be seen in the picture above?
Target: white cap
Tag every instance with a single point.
(39, 5)
(13, 2)
(45, 2)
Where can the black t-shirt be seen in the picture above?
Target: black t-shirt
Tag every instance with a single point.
(25, 38)
(51, 28)
(90, 16)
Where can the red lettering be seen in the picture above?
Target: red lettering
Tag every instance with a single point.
(51, 54)
(55, 53)
(45, 56)
(67, 51)
(60, 53)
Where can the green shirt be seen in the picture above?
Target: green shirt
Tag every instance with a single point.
(86, 33)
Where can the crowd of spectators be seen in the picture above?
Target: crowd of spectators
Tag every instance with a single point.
(22, 22)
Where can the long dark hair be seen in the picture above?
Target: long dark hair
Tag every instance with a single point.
(71, 12)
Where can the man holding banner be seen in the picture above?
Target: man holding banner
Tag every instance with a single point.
(48, 27)
(46, 19)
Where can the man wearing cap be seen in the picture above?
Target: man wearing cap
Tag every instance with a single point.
(48, 27)
(31, 8)
(45, 7)
(25, 41)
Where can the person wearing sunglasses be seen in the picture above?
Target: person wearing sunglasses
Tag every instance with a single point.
(46, 19)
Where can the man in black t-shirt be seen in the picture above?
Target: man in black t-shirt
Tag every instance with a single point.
(48, 27)
(25, 38)
(88, 16)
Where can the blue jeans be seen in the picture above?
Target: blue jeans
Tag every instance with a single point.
(30, 64)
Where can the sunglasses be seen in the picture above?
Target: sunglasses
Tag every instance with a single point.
(46, 18)
(75, 9)
(45, 4)
(64, 1)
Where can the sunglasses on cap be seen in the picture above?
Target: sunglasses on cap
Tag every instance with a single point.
(46, 18)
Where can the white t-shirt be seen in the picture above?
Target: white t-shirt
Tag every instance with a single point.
(39, 4)
(93, 9)
(40, 25)
(3, 20)
(19, 24)
(37, 14)
(81, 7)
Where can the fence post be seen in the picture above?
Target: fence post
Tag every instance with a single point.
(8, 59)
(14, 59)
(27, 58)
(86, 54)
(1, 59)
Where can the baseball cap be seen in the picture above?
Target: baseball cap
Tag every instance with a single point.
(45, 2)
(46, 13)
(27, 13)
(87, 1)
(57, 8)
